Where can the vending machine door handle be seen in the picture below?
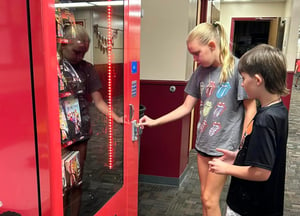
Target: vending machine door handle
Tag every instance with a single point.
(135, 130)
(131, 111)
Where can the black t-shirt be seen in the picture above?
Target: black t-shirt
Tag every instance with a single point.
(89, 78)
(264, 147)
(89, 83)
(81, 80)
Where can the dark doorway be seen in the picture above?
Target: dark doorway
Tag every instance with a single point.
(248, 34)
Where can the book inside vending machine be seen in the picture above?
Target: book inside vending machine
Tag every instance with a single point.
(80, 84)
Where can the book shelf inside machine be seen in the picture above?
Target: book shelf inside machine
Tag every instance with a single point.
(70, 116)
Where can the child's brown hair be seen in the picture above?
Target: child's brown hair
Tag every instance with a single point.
(270, 63)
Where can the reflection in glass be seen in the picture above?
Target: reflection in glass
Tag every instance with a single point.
(86, 188)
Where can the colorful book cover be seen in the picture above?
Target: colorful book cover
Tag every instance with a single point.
(63, 124)
(72, 167)
(64, 180)
(72, 110)
(61, 84)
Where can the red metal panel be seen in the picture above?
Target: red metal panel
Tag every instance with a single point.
(18, 185)
(42, 18)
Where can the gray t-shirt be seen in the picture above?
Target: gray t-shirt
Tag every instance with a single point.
(221, 109)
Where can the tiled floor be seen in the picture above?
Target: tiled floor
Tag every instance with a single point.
(162, 200)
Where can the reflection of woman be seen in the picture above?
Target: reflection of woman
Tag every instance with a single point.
(88, 84)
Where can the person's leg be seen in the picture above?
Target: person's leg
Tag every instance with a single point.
(211, 187)
(202, 162)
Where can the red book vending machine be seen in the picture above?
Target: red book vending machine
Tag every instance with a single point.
(69, 102)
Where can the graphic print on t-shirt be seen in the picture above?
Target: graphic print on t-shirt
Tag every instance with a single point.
(219, 109)
(207, 107)
(215, 128)
(210, 88)
(203, 126)
(223, 89)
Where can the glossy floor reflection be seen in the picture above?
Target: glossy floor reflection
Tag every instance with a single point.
(162, 200)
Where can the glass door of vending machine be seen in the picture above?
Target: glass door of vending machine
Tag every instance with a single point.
(70, 106)
(98, 78)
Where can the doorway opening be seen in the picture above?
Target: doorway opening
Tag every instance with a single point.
(246, 33)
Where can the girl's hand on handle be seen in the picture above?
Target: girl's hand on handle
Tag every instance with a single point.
(146, 121)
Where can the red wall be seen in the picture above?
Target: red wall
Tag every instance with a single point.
(163, 149)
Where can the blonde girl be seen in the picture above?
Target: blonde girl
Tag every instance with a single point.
(224, 107)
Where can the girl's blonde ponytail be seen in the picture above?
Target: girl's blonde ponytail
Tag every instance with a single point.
(226, 58)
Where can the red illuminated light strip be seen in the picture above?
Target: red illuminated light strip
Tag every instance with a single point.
(110, 120)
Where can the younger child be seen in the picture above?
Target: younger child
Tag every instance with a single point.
(258, 168)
